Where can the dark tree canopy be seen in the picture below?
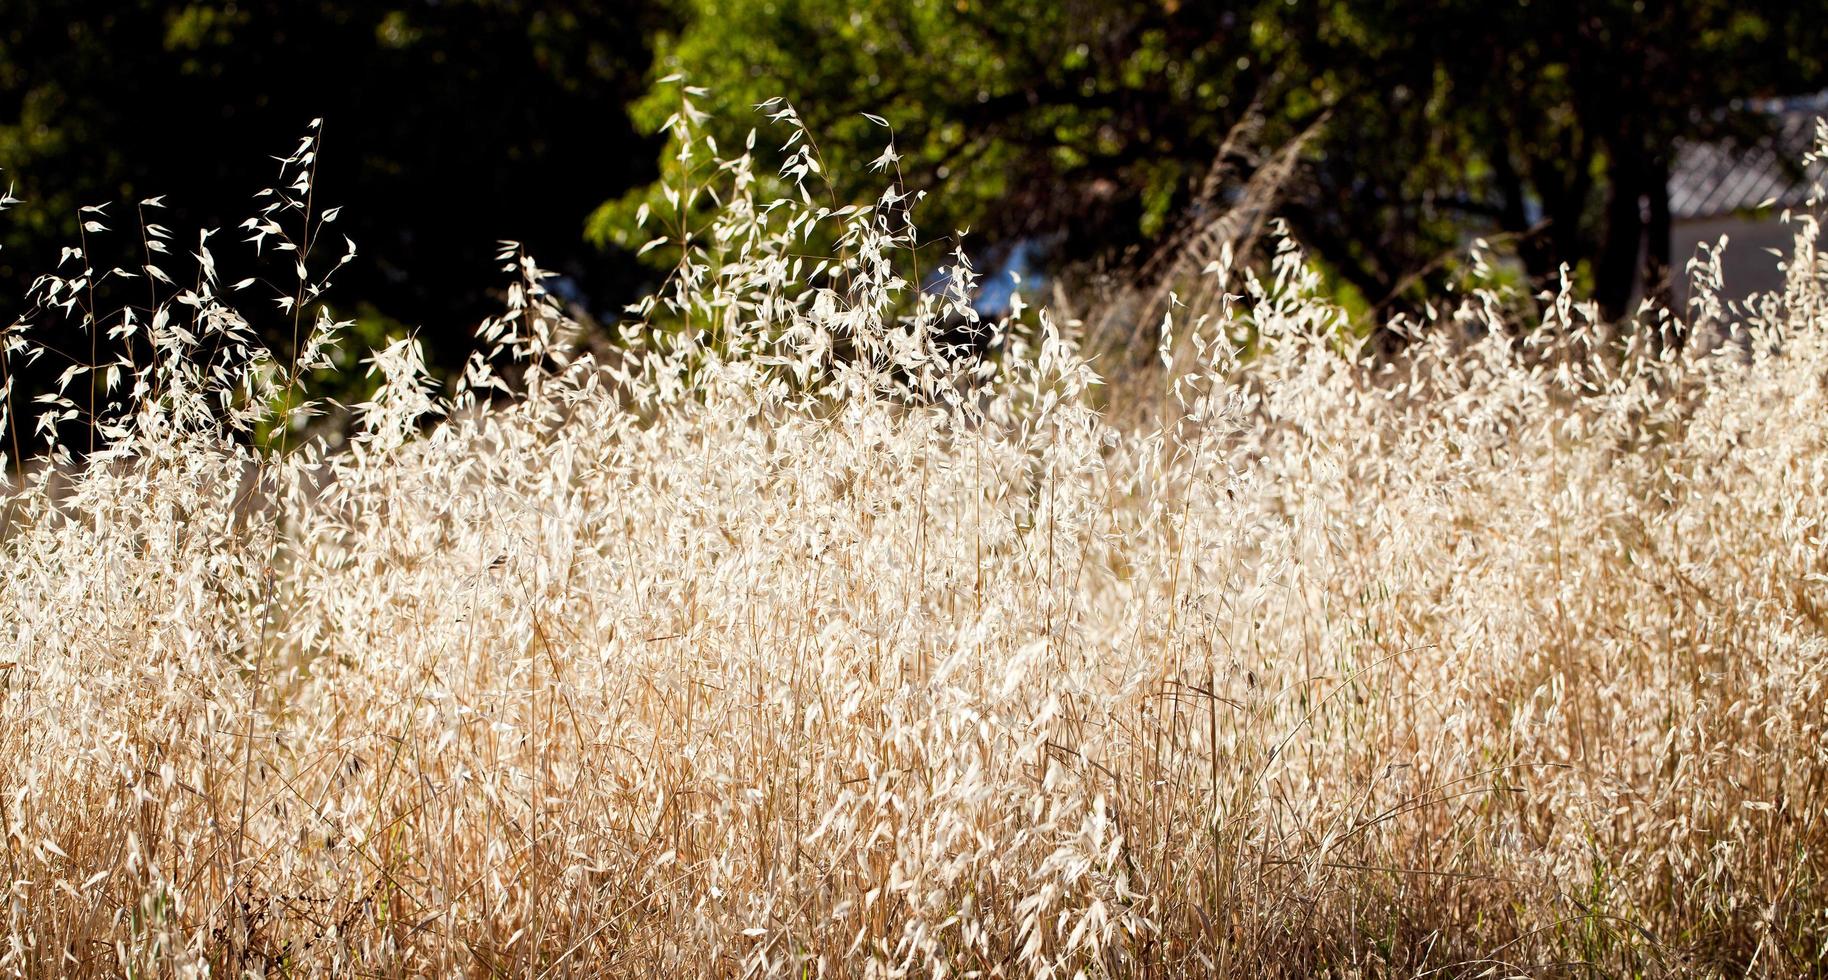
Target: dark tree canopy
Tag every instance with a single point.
(1553, 123)
(1092, 122)
(1089, 126)
(449, 124)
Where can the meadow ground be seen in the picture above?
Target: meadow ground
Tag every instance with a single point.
(784, 641)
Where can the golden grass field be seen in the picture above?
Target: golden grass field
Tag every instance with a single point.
(786, 642)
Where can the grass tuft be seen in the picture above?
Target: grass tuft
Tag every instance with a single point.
(781, 638)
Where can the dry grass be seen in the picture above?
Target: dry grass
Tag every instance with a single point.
(787, 643)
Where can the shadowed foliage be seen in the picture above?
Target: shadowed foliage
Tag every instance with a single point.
(448, 126)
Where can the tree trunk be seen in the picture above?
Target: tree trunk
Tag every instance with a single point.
(1615, 276)
(1658, 275)
(1535, 251)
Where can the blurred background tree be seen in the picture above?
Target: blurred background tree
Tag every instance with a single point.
(449, 124)
(1096, 117)
(1555, 125)
(1088, 126)
(1085, 134)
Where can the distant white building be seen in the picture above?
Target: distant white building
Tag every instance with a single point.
(1741, 192)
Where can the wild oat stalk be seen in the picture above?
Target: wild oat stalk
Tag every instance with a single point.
(782, 637)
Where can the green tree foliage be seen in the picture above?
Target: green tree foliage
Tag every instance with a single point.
(1093, 122)
(1090, 115)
